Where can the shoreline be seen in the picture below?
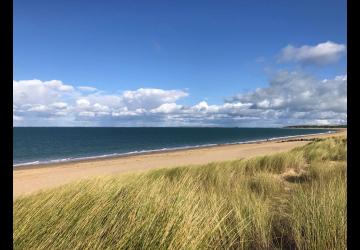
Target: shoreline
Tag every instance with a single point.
(29, 179)
(55, 162)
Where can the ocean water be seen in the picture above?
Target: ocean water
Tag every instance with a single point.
(46, 145)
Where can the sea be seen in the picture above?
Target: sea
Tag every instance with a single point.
(44, 145)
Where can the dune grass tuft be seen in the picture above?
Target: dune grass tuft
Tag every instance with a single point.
(243, 204)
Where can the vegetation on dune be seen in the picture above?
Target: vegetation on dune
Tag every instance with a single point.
(291, 200)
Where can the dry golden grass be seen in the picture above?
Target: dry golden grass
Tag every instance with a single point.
(289, 200)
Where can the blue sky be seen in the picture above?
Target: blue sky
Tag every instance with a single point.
(212, 50)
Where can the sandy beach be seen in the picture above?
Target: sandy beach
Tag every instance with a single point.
(28, 179)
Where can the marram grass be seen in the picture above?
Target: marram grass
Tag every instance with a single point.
(293, 200)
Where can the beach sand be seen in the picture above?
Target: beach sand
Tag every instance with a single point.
(28, 179)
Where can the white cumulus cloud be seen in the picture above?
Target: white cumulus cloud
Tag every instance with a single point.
(167, 108)
(320, 54)
(83, 103)
(150, 98)
(39, 92)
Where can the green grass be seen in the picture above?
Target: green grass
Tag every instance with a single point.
(293, 200)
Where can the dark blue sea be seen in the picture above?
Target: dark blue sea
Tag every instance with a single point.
(51, 145)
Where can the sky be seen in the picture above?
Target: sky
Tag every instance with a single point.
(179, 63)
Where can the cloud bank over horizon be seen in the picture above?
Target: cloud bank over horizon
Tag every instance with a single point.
(290, 98)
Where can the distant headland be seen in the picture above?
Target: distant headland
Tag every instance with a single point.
(317, 126)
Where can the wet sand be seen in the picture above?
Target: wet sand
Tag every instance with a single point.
(28, 179)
